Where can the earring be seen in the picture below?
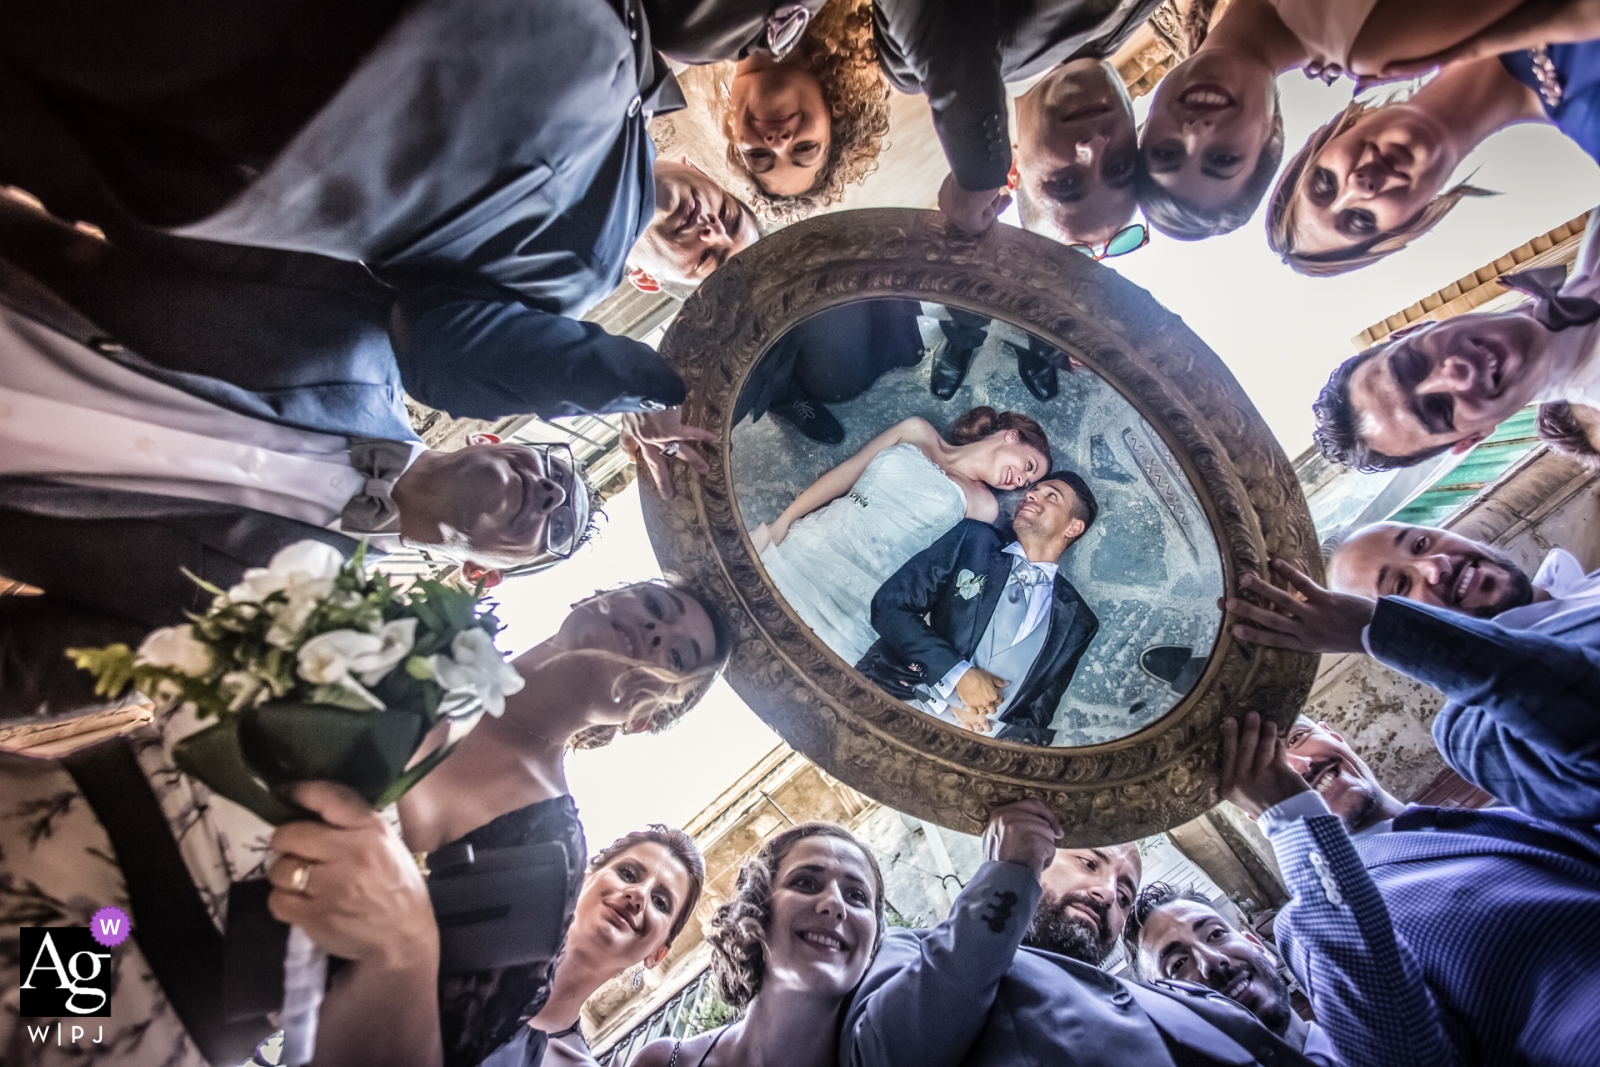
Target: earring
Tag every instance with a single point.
(638, 979)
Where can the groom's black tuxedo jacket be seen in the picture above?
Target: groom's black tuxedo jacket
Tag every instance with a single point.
(111, 561)
(927, 626)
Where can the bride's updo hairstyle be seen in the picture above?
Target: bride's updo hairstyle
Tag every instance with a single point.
(985, 421)
(672, 692)
(738, 931)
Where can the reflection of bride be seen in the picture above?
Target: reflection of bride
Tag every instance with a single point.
(884, 505)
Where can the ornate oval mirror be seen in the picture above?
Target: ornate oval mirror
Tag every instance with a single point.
(894, 404)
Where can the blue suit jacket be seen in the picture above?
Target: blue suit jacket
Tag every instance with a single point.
(1524, 719)
(1459, 938)
(490, 160)
(966, 993)
(927, 628)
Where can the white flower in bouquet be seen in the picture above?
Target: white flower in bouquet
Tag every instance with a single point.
(327, 659)
(334, 657)
(475, 669)
(396, 639)
(177, 648)
(304, 571)
(290, 618)
(243, 689)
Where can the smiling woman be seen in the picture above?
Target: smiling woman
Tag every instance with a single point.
(636, 898)
(788, 950)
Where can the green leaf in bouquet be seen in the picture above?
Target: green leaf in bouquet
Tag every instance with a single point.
(414, 774)
(367, 751)
(213, 756)
(214, 590)
(112, 667)
(337, 696)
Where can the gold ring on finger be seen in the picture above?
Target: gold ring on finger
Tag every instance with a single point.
(301, 878)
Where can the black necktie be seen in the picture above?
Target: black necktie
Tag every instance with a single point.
(1552, 309)
(373, 510)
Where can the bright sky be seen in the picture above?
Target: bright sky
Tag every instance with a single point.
(1281, 335)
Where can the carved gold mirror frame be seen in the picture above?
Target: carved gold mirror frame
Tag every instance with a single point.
(1149, 781)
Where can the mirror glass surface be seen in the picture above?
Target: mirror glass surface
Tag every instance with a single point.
(1147, 570)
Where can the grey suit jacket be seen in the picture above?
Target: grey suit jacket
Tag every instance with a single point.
(967, 993)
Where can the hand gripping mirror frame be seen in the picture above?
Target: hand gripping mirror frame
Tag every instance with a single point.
(1149, 781)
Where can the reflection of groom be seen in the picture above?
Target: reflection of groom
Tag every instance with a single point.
(972, 627)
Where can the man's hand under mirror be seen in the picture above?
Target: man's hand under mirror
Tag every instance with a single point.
(1315, 620)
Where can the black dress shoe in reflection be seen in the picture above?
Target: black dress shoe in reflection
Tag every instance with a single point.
(1037, 373)
(810, 418)
(1176, 665)
(950, 366)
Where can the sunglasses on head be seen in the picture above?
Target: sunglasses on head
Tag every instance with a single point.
(1128, 239)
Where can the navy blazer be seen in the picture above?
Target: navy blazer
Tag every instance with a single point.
(961, 53)
(489, 160)
(1523, 722)
(927, 626)
(1460, 938)
(967, 994)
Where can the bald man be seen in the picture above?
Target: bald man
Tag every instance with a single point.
(1518, 657)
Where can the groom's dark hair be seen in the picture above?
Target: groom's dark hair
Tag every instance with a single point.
(1088, 507)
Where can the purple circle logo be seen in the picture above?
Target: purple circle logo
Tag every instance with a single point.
(110, 927)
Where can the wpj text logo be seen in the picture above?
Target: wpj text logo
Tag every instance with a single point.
(66, 970)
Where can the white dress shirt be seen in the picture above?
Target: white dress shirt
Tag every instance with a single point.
(943, 694)
(70, 414)
(1582, 386)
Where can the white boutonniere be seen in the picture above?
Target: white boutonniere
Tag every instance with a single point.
(969, 585)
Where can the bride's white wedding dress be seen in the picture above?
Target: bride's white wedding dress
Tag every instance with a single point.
(834, 559)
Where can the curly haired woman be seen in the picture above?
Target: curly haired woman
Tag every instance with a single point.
(787, 951)
(804, 128)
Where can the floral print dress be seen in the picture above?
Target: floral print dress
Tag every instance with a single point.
(57, 868)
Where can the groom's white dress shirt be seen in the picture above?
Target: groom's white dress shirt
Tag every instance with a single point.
(940, 696)
(1582, 386)
(69, 414)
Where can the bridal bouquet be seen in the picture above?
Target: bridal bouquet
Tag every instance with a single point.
(314, 669)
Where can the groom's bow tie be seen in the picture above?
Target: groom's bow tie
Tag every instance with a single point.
(373, 510)
(1024, 576)
(1552, 309)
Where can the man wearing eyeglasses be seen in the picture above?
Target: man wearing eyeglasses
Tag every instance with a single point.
(118, 473)
(1076, 157)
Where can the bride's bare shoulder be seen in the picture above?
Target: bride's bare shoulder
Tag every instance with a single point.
(916, 431)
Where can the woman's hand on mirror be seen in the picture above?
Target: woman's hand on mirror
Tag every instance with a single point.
(1255, 766)
(972, 212)
(1315, 621)
(1530, 24)
(1023, 832)
(760, 538)
(979, 690)
(653, 438)
(351, 884)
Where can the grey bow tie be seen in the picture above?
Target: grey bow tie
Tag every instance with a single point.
(784, 27)
(1024, 576)
(373, 510)
(1552, 309)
